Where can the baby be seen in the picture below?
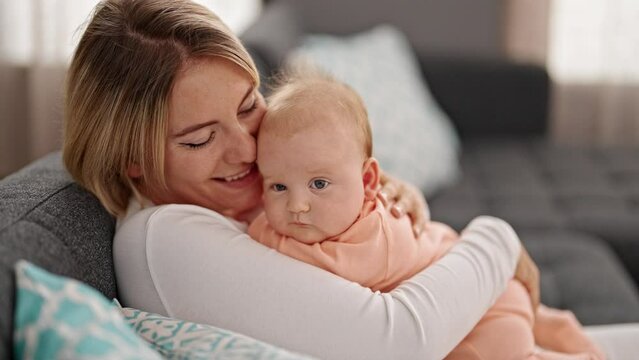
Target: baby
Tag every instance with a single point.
(322, 207)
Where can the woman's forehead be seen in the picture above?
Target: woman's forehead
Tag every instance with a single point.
(211, 75)
(207, 90)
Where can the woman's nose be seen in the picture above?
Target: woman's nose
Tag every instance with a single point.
(241, 146)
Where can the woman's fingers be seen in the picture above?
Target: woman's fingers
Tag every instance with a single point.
(398, 209)
(404, 199)
(418, 214)
(420, 220)
(388, 191)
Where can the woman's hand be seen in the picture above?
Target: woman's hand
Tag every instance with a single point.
(404, 198)
(528, 274)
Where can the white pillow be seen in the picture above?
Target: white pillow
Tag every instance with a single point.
(412, 137)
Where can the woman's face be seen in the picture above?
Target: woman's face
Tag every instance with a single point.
(214, 114)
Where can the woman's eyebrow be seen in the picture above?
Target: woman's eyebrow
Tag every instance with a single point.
(194, 127)
(248, 93)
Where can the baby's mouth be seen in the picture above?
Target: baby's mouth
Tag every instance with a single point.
(299, 223)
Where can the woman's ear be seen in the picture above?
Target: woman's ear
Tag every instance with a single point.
(370, 177)
(134, 171)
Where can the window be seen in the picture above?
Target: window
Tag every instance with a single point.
(46, 31)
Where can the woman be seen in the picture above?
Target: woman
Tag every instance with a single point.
(162, 106)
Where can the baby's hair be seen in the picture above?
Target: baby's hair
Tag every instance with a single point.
(303, 83)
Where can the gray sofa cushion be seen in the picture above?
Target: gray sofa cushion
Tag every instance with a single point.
(581, 273)
(536, 185)
(49, 220)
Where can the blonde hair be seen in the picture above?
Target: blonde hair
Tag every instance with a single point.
(302, 84)
(119, 84)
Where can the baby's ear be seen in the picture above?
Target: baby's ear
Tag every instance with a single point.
(370, 177)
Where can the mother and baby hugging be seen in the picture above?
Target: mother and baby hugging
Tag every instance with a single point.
(272, 218)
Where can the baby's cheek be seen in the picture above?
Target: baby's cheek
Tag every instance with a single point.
(273, 212)
(340, 218)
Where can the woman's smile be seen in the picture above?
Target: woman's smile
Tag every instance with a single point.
(242, 179)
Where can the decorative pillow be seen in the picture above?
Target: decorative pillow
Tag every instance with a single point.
(62, 318)
(177, 339)
(412, 137)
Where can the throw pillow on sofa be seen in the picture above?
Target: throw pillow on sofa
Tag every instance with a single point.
(413, 138)
(178, 339)
(61, 318)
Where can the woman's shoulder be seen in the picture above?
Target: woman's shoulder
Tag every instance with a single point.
(149, 239)
(176, 216)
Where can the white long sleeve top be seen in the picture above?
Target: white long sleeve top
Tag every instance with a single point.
(191, 263)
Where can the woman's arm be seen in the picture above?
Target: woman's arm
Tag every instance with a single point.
(405, 198)
(202, 267)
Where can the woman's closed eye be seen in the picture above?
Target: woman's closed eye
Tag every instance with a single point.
(249, 109)
(196, 145)
(319, 184)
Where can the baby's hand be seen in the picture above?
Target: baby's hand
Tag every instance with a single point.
(404, 199)
(527, 273)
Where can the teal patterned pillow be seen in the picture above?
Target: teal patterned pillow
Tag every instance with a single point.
(62, 318)
(177, 339)
(413, 138)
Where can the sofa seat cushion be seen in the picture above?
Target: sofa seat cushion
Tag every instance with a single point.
(536, 185)
(581, 272)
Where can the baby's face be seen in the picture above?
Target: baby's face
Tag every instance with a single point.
(313, 185)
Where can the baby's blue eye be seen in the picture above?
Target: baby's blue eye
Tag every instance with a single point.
(319, 184)
(279, 187)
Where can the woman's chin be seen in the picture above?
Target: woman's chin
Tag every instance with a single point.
(245, 206)
(248, 215)
(238, 196)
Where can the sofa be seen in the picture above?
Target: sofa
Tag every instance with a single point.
(566, 203)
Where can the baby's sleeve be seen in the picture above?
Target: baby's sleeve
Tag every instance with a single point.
(257, 226)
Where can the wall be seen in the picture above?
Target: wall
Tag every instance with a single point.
(525, 31)
(30, 113)
(448, 27)
(13, 118)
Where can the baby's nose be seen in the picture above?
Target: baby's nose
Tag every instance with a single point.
(298, 205)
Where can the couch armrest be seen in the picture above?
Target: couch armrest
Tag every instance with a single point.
(486, 98)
